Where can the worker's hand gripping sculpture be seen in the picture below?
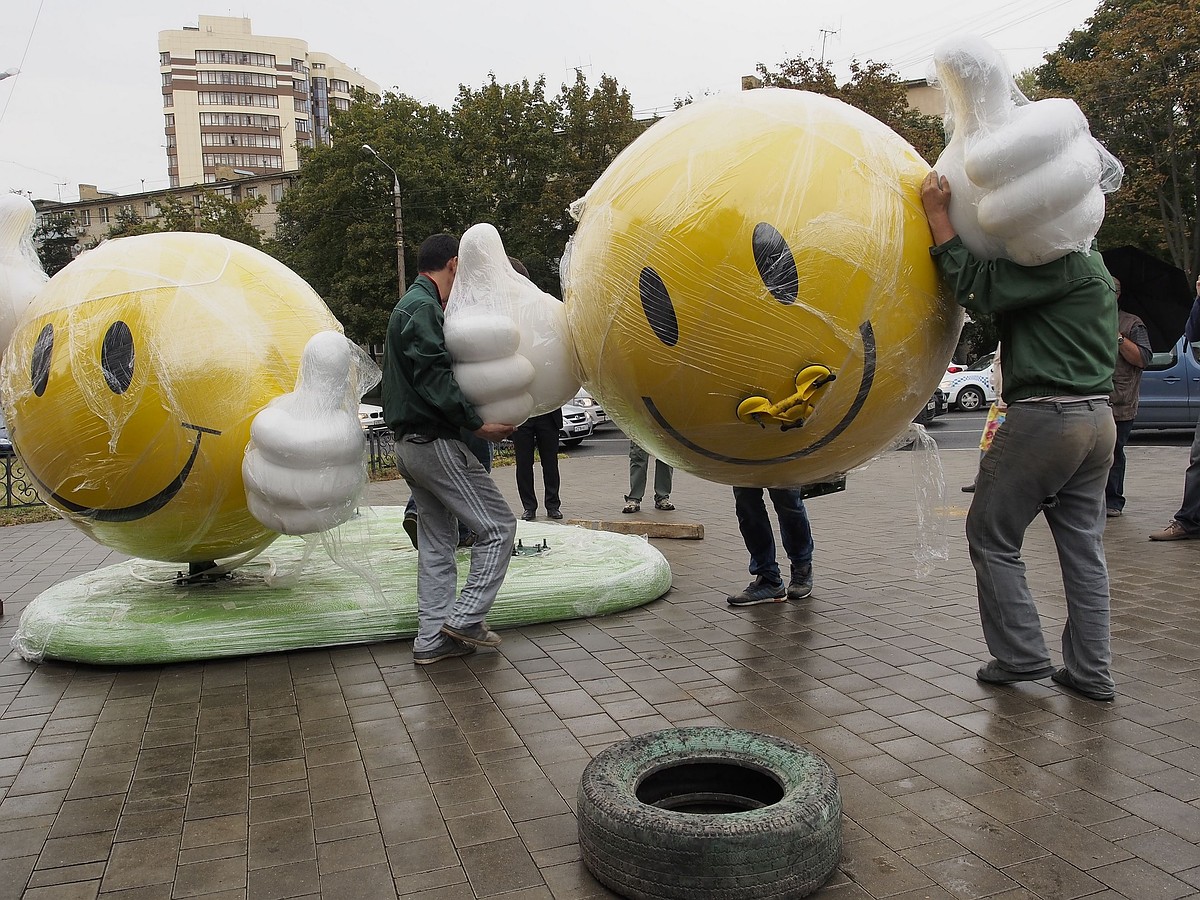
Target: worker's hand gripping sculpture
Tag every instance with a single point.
(1028, 179)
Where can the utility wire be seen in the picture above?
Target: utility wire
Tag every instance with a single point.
(24, 54)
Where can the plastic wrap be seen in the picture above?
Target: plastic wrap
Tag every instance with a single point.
(1027, 179)
(732, 259)
(21, 274)
(509, 340)
(133, 613)
(131, 383)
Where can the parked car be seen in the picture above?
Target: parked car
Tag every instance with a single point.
(370, 416)
(934, 408)
(971, 388)
(577, 424)
(1170, 391)
(6, 447)
(588, 402)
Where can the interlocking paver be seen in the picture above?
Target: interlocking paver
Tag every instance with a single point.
(351, 772)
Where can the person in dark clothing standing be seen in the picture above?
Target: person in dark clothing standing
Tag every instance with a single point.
(540, 432)
(427, 412)
(1133, 355)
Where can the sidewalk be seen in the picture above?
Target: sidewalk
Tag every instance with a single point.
(352, 773)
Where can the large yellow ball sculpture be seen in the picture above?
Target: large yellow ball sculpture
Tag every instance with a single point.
(751, 293)
(131, 383)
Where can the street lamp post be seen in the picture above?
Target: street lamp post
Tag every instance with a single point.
(367, 148)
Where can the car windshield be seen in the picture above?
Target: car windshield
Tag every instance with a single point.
(984, 362)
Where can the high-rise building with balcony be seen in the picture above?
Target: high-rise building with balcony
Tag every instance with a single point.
(237, 103)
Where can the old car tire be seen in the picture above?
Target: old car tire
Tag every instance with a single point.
(970, 399)
(708, 813)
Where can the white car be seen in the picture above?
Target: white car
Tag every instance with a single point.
(971, 388)
(370, 416)
(589, 403)
(577, 424)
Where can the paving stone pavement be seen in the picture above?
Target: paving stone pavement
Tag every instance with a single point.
(349, 772)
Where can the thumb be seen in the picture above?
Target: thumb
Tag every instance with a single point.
(977, 84)
(325, 367)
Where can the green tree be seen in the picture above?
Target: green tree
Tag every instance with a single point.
(127, 223)
(1133, 70)
(215, 214)
(57, 239)
(873, 88)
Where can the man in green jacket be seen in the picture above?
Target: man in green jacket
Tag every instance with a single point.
(1058, 327)
(426, 410)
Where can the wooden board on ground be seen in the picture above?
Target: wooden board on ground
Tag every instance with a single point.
(687, 531)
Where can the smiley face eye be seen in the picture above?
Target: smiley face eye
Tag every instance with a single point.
(39, 368)
(656, 304)
(116, 357)
(776, 264)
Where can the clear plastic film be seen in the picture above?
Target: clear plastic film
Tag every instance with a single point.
(21, 275)
(1027, 180)
(134, 613)
(750, 289)
(131, 383)
(509, 340)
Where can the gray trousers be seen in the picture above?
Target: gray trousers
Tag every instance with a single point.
(1189, 513)
(450, 486)
(639, 463)
(1052, 458)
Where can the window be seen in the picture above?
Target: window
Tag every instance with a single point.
(164, 58)
(234, 58)
(168, 100)
(299, 66)
(302, 126)
(276, 192)
(85, 217)
(196, 198)
(166, 78)
(230, 98)
(239, 120)
(151, 209)
(252, 79)
(104, 215)
(169, 120)
(300, 105)
(339, 85)
(251, 192)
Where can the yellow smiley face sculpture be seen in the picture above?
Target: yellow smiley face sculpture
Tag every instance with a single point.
(751, 293)
(131, 383)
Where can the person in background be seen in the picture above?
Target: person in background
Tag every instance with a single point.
(427, 412)
(639, 463)
(1186, 523)
(794, 528)
(1058, 323)
(540, 432)
(1133, 355)
(995, 416)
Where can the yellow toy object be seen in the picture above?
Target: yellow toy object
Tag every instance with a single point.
(751, 293)
(131, 383)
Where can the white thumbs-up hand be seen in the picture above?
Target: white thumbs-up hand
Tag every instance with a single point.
(304, 468)
(1028, 179)
(21, 275)
(512, 352)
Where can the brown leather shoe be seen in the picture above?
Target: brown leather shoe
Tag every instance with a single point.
(1174, 532)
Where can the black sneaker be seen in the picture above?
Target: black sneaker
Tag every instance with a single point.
(801, 584)
(478, 634)
(1064, 678)
(760, 590)
(445, 648)
(410, 527)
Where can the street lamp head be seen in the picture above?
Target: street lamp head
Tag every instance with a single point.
(367, 148)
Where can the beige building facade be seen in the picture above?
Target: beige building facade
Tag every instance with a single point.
(241, 102)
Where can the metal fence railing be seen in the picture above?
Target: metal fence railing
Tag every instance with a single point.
(18, 486)
(381, 451)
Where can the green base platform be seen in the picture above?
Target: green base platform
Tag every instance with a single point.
(135, 613)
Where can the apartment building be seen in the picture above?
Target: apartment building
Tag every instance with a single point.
(234, 100)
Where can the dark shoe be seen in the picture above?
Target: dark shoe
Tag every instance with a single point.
(801, 584)
(554, 513)
(632, 506)
(445, 648)
(529, 515)
(1174, 532)
(664, 504)
(1111, 513)
(760, 590)
(410, 527)
(478, 634)
(968, 488)
(1064, 678)
(467, 539)
(994, 673)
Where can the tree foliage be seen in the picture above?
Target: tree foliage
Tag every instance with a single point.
(1134, 69)
(56, 239)
(214, 214)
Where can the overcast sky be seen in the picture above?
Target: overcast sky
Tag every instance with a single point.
(86, 106)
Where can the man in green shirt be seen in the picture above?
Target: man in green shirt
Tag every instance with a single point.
(1058, 327)
(426, 410)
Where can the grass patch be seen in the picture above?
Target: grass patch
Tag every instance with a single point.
(27, 515)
